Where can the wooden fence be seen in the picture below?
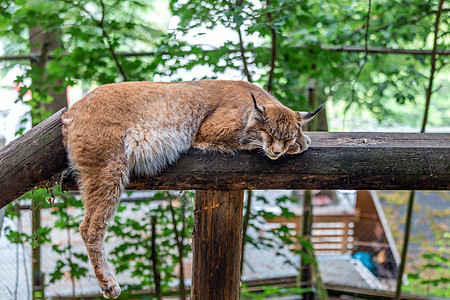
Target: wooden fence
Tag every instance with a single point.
(330, 234)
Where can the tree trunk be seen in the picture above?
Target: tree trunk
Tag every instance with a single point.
(306, 268)
(42, 44)
(154, 260)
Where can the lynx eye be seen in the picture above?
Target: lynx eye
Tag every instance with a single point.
(267, 137)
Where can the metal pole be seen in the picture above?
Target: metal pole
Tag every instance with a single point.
(401, 268)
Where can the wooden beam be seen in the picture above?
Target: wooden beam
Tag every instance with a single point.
(216, 241)
(32, 159)
(334, 161)
(390, 161)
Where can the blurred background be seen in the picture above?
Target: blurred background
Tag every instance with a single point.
(380, 65)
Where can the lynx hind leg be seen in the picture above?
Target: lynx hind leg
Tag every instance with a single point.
(301, 144)
(101, 191)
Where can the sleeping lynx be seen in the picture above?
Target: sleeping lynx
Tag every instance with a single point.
(141, 127)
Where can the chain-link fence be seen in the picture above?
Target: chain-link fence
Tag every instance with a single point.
(15, 267)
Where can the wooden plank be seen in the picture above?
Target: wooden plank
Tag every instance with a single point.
(371, 244)
(317, 219)
(318, 236)
(217, 240)
(334, 161)
(326, 242)
(336, 218)
(315, 228)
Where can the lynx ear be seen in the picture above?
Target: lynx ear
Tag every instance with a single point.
(304, 116)
(259, 111)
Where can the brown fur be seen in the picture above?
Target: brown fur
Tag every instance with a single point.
(141, 127)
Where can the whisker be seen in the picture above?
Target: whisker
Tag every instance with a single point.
(256, 143)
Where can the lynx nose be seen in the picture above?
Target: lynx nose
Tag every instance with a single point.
(277, 148)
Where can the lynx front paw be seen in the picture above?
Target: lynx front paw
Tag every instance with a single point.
(301, 145)
(307, 141)
(111, 290)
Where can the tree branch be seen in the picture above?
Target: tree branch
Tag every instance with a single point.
(273, 52)
(114, 55)
(429, 91)
(244, 60)
(69, 247)
(433, 67)
(100, 24)
(366, 48)
(241, 46)
(154, 260)
(245, 226)
(103, 12)
(179, 240)
(411, 21)
(332, 48)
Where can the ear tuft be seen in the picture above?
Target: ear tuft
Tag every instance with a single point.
(259, 111)
(304, 116)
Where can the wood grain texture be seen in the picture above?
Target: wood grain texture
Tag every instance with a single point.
(216, 240)
(334, 161)
(32, 159)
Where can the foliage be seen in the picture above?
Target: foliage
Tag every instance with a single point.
(427, 268)
(302, 27)
(89, 34)
(134, 252)
(70, 223)
(92, 31)
(69, 261)
(270, 291)
(432, 276)
(282, 45)
(277, 239)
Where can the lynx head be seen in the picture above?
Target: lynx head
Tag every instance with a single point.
(279, 129)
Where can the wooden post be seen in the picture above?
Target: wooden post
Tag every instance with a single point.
(217, 240)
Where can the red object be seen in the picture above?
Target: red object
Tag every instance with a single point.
(321, 200)
(18, 87)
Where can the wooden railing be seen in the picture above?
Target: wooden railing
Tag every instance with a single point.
(334, 161)
(330, 232)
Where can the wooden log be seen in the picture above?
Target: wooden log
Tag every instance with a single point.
(390, 161)
(32, 159)
(217, 240)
